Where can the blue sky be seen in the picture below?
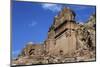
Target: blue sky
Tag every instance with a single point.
(30, 21)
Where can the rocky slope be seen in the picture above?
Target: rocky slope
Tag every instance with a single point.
(86, 42)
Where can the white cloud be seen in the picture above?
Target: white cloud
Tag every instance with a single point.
(34, 23)
(81, 23)
(52, 7)
(15, 53)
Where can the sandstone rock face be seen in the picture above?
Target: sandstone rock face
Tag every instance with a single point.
(32, 49)
(67, 41)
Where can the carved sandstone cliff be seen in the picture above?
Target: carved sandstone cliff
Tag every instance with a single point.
(67, 41)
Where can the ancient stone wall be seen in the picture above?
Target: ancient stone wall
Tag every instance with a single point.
(64, 40)
(67, 41)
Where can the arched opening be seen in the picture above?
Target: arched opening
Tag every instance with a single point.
(61, 52)
(31, 52)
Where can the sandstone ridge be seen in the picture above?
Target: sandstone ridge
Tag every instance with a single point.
(68, 41)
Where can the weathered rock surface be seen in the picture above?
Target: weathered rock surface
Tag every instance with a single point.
(67, 42)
